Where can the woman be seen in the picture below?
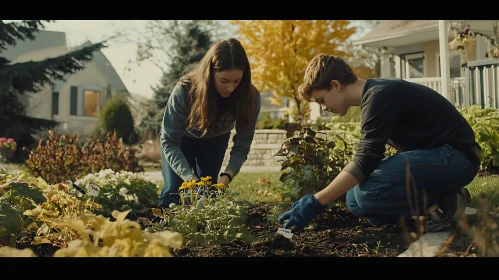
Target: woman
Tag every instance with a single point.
(203, 108)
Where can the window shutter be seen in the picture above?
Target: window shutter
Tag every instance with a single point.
(108, 93)
(73, 108)
(55, 103)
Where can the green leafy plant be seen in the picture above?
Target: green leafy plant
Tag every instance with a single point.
(485, 124)
(117, 116)
(312, 159)
(350, 132)
(205, 220)
(10, 222)
(62, 158)
(122, 191)
(18, 193)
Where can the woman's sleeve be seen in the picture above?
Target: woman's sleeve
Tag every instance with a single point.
(172, 130)
(242, 140)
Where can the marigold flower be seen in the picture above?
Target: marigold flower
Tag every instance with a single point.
(220, 185)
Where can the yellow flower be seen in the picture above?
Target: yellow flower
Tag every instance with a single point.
(185, 185)
(220, 185)
(207, 178)
(202, 184)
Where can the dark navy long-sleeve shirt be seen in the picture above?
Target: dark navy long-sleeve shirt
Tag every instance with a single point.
(408, 116)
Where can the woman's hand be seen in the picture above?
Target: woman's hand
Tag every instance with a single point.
(224, 180)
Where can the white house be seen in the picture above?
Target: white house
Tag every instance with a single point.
(411, 50)
(77, 101)
(423, 51)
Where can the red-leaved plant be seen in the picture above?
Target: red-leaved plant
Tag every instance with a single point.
(62, 158)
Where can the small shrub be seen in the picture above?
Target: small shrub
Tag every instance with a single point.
(62, 158)
(313, 159)
(485, 124)
(110, 154)
(58, 160)
(117, 116)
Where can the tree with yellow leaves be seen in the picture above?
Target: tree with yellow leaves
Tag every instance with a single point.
(280, 50)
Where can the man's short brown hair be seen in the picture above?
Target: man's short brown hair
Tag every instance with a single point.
(321, 70)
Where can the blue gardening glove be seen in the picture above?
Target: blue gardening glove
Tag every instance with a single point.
(302, 212)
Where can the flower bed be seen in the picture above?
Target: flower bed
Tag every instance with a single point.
(56, 220)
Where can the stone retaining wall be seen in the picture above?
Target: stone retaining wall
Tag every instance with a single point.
(266, 143)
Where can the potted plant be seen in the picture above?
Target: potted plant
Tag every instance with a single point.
(464, 41)
(7, 147)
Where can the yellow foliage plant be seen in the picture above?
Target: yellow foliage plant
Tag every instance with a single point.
(60, 204)
(120, 238)
(99, 237)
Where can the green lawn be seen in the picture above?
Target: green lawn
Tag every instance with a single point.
(247, 185)
(488, 186)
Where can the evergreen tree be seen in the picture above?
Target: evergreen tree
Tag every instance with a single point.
(19, 78)
(189, 43)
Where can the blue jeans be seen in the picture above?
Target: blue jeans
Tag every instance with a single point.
(205, 156)
(384, 196)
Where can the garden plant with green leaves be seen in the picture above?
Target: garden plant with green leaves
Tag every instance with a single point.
(313, 158)
(121, 191)
(205, 215)
(485, 123)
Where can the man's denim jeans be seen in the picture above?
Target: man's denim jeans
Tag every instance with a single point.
(205, 156)
(384, 196)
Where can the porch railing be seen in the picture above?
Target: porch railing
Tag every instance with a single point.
(434, 83)
(482, 81)
(458, 87)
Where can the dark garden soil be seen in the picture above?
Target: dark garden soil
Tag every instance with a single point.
(337, 233)
(24, 240)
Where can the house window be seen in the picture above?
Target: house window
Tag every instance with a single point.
(454, 65)
(415, 65)
(86, 101)
(92, 99)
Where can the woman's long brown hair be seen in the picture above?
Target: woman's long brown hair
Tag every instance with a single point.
(225, 55)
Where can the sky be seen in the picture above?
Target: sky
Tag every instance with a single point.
(137, 78)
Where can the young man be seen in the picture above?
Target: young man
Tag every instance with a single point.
(435, 143)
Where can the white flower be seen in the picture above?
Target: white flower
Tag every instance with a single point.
(123, 191)
(130, 197)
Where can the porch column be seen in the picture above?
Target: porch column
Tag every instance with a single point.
(444, 59)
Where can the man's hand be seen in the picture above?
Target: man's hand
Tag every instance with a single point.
(302, 212)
